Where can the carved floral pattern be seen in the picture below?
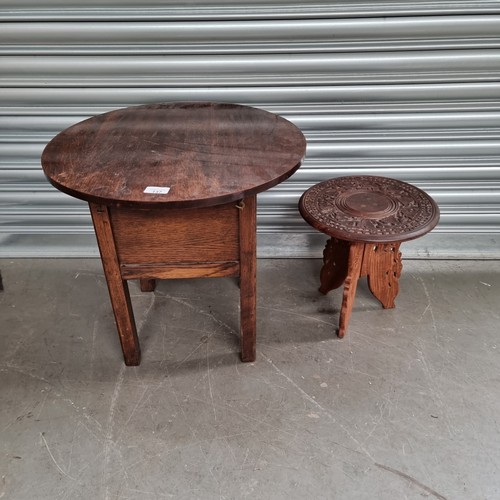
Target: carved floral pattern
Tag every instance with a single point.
(392, 207)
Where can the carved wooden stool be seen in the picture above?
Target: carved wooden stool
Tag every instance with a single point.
(367, 219)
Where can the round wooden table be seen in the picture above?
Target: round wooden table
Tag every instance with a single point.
(172, 193)
(367, 218)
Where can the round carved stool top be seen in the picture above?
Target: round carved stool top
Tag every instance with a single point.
(369, 209)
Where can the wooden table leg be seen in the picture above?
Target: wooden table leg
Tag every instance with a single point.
(383, 267)
(356, 251)
(335, 259)
(118, 288)
(147, 284)
(248, 271)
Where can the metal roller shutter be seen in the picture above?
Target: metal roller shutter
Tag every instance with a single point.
(409, 90)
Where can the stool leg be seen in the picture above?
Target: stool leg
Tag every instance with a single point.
(334, 270)
(147, 285)
(117, 287)
(384, 268)
(356, 251)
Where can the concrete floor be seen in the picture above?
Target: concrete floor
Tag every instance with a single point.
(406, 406)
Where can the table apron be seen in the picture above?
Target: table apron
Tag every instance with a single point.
(177, 243)
(176, 236)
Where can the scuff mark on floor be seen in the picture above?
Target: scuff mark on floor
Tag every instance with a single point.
(412, 480)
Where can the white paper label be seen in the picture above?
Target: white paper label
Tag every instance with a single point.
(157, 190)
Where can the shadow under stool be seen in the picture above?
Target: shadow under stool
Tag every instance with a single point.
(367, 219)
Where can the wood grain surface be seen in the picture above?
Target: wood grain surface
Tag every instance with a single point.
(176, 235)
(206, 153)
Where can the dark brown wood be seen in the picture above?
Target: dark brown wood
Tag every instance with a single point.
(367, 218)
(335, 260)
(248, 273)
(369, 209)
(118, 288)
(172, 194)
(207, 153)
(147, 284)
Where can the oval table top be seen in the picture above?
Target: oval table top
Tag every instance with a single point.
(184, 154)
(369, 209)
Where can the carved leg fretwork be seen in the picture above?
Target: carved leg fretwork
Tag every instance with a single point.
(383, 267)
(334, 270)
(345, 262)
